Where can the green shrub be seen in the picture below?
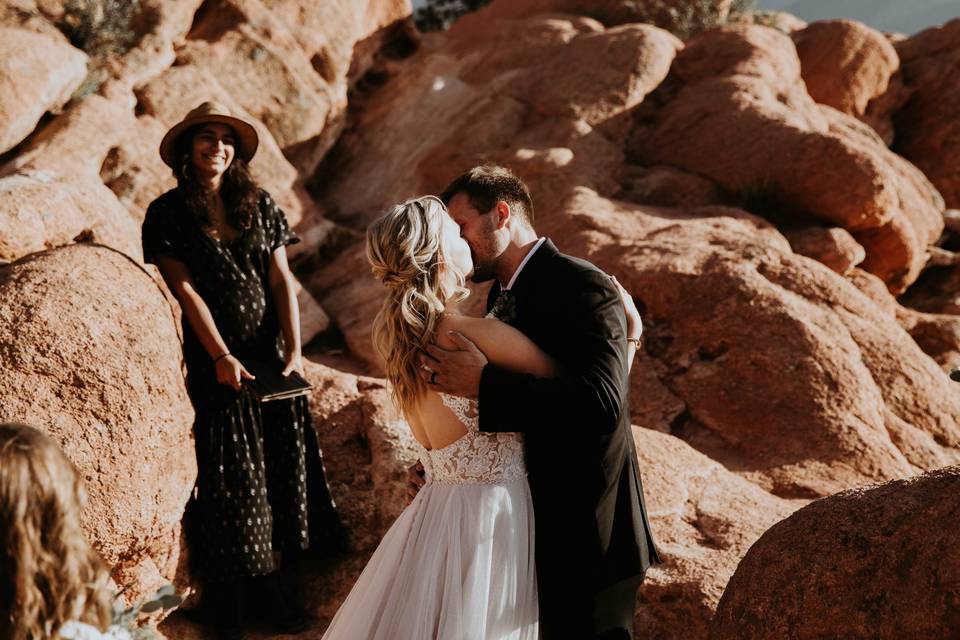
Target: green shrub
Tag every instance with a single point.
(685, 18)
(102, 28)
(438, 15)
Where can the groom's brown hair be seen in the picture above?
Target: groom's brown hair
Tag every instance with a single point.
(487, 185)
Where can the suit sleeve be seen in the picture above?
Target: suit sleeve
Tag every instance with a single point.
(590, 393)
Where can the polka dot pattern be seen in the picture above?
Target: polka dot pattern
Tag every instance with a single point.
(260, 482)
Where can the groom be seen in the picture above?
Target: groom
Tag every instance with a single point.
(593, 541)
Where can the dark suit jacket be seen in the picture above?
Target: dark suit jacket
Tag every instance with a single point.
(582, 464)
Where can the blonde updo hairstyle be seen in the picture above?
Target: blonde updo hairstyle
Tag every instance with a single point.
(404, 247)
(49, 574)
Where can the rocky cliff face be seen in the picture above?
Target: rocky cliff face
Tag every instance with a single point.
(778, 201)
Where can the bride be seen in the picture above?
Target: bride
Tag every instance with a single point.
(458, 563)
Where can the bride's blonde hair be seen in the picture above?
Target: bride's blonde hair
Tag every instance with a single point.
(405, 250)
(49, 574)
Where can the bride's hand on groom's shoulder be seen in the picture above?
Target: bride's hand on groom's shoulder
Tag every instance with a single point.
(455, 372)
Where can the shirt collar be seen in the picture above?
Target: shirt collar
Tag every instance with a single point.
(523, 263)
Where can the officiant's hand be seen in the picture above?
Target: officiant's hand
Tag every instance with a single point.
(456, 373)
(231, 372)
(293, 362)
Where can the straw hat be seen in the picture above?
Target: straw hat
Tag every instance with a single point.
(247, 139)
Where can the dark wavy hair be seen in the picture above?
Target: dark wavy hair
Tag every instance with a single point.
(240, 192)
(487, 185)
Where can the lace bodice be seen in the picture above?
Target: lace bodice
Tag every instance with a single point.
(476, 457)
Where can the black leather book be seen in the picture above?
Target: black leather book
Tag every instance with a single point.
(270, 385)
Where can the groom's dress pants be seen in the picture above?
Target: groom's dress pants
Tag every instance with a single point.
(613, 610)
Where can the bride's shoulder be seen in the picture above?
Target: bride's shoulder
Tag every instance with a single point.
(478, 330)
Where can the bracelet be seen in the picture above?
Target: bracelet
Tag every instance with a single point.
(220, 357)
(635, 341)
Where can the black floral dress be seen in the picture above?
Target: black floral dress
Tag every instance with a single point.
(260, 481)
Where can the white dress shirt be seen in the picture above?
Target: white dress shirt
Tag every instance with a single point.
(522, 264)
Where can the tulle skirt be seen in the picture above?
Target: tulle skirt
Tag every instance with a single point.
(457, 564)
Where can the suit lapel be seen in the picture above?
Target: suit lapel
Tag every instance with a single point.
(533, 271)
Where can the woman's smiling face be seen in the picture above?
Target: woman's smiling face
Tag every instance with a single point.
(213, 149)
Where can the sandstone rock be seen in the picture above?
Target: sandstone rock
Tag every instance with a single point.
(833, 247)
(38, 73)
(91, 356)
(762, 346)
(77, 142)
(674, 15)
(880, 110)
(42, 210)
(704, 518)
(937, 334)
(867, 563)
(928, 126)
(160, 28)
(845, 64)
(477, 81)
(300, 95)
(352, 297)
(332, 34)
(732, 88)
(313, 319)
(242, 43)
(664, 186)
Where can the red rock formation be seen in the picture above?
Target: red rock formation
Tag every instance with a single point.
(38, 72)
(41, 210)
(868, 563)
(928, 126)
(739, 90)
(845, 64)
(92, 357)
(834, 247)
(705, 518)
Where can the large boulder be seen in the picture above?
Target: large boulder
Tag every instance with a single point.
(704, 518)
(299, 95)
(928, 126)
(880, 563)
(92, 357)
(736, 111)
(784, 370)
(845, 64)
(485, 82)
(38, 73)
(43, 209)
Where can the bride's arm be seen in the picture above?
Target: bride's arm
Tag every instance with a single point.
(502, 345)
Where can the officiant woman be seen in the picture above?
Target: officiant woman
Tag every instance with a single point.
(261, 498)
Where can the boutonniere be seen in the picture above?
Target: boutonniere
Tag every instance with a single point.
(504, 307)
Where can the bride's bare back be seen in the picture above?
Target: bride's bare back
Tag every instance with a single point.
(433, 424)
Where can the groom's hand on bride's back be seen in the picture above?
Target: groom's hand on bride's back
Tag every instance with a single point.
(416, 478)
(453, 371)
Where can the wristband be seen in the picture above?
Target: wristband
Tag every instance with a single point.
(220, 357)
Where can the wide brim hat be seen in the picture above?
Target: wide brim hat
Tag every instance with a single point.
(247, 139)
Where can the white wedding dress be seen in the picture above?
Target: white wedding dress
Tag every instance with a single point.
(458, 563)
